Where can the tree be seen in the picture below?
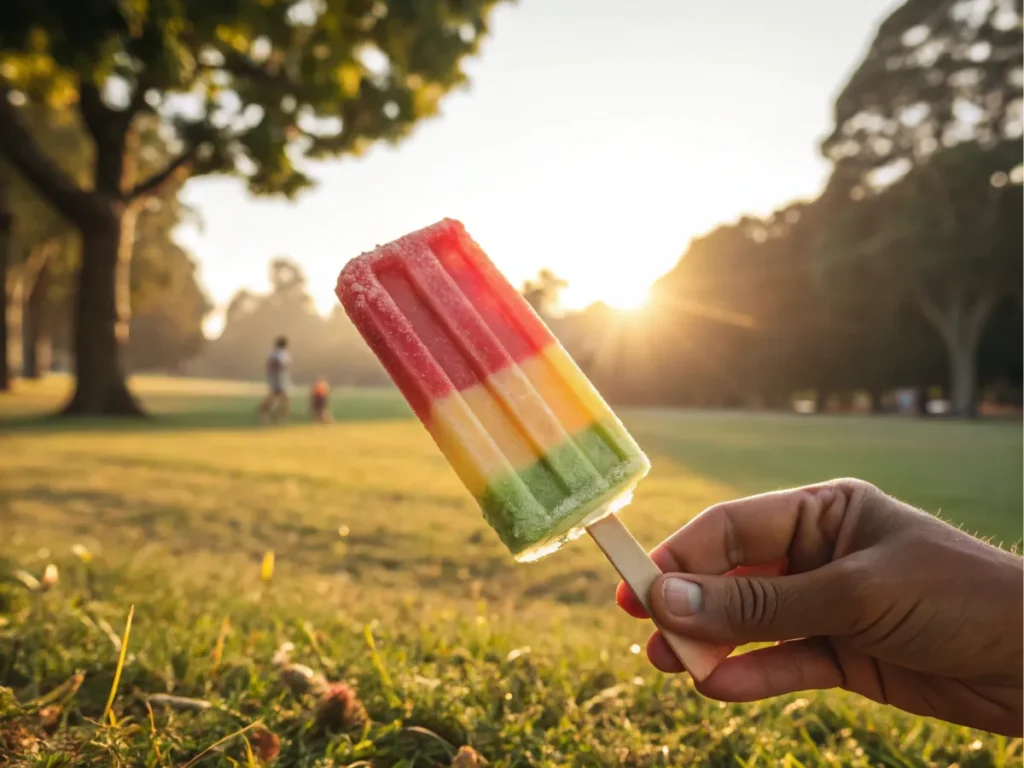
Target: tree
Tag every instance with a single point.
(168, 305)
(269, 85)
(735, 316)
(938, 73)
(328, 347)
(45, 250)
(44, 247)
(1000, 366)
(253, 321)
(946, 238)
(543, 293)
(5, 243)
(934, 113)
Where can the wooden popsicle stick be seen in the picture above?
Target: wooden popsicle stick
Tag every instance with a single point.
(638, 570)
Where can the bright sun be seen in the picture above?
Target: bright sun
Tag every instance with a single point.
(622, 294)
(627, 297)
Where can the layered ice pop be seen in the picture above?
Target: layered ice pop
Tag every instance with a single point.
(521, 425)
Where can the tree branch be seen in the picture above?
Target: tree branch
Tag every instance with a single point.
(977, 316)
(33, 265)
(138, 99)
(240, 65)
(22, 151)
(95, 114)
(931, 310)
(175, 171)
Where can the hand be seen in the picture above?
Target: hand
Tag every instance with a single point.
(877, 598)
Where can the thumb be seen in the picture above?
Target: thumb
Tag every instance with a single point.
(741, 609)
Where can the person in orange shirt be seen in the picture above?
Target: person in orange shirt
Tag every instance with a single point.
(318, 404)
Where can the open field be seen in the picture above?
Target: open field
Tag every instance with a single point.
(387, 577)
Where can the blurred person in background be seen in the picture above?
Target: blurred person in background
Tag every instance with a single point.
(318, 403)
(276, 404)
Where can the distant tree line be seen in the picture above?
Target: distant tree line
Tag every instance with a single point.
(328, 347)
(905, 272)
(746, 319)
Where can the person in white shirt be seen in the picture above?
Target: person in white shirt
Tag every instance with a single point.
(276, 404)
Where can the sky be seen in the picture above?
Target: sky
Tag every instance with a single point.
(596, 138)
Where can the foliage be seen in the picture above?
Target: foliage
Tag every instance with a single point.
(944, 238)
(949, 226)
(269, 81)
(321, 347)
(168, 305)
(375, 540)
(937, 74)
(250, 88)
(935, 111)
(543, 293)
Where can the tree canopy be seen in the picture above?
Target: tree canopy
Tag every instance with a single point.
(928, 168)
(267, 83)
(256, 89)
(938, 73)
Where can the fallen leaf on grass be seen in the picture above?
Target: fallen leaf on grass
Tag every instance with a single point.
(49, 716)
(339, 709)
(266, 744)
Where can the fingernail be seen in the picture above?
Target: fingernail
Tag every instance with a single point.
(682, 598)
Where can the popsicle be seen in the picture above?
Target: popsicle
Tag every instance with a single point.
(523, 428)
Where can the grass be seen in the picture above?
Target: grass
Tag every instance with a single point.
(387, 583)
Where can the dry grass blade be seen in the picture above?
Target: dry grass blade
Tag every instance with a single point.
(61, 693)
(178, 702)
(378, 664)
(267, 567)
(217, 743)
(26, 578)
(120, 664)
(218, 651)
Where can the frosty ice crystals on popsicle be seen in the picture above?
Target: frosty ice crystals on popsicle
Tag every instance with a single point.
(523, 428)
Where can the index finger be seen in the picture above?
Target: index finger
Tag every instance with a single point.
(797, 527)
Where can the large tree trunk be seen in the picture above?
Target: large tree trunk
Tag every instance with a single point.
(963, 379)
(102, 302)
(820, 401)
(960, 323)
(103, 215)
(876, 396)
(37, 338)
(101, 320)
(5, 240)
(921, 400)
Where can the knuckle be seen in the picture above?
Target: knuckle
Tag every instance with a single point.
(856, 492)
(751, 603)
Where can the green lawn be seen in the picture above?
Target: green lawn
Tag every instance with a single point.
(387, 578)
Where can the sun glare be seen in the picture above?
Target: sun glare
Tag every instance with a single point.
(615, 290)
(627, 297)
